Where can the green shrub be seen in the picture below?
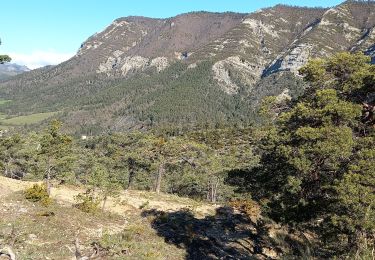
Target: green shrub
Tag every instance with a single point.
(87, 202)
(144, 205)
(117, 243)
(38, 193)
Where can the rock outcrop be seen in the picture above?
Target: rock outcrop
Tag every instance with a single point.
(142, 68)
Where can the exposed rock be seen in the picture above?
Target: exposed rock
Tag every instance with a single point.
(283, 96)
(192, 66)
(246, 49)
(108, 66)
(117, 53)
(133, 64)
(161, 63)
(221, 74)
(296, 58)
(261, 28)
(32, 236)
(128, 64)
(221, 70)
(292, 61)
(270, 253)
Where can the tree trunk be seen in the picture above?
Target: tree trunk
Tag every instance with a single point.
(48, 179)
(161, 172)
(209, 191)
(104, 202)
(213, 186)
(10, 167)
(6, 170)
(131, 173)
(216, 187)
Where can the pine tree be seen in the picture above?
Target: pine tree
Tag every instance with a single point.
(104, 181)
(55, 153)
(322, 151)
(4, 58)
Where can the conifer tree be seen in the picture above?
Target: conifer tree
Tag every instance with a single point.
(321, 151)
(4, 58)
(55, 153)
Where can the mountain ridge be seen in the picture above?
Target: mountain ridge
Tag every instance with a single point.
(8, 70)
(236, 58)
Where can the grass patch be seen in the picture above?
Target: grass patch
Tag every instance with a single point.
(29, 119)
(3, 127)
(3, 101)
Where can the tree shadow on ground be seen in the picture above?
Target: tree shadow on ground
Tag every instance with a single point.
(226, 235)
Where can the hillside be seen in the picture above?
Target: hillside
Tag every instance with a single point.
(190, 69)
(8, 70)
(298, 186)
(137, 225)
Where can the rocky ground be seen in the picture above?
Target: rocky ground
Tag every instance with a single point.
(137, 225)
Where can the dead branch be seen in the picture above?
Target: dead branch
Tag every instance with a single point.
(8, 252)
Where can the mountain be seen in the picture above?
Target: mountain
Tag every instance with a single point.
(195, 68)
(11, 69)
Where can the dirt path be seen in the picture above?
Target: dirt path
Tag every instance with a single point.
(127, 201)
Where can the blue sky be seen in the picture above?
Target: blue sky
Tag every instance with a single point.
(41, 32)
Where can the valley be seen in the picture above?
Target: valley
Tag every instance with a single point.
(203, 135)
(190, 69)
(7, 121)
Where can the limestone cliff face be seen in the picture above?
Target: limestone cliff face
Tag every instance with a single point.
(135, 43)
(275, 42)
(249, 56)
(268, 41)
(248, 73)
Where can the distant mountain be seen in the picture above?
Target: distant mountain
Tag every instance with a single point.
(11, 69)
(195, 68)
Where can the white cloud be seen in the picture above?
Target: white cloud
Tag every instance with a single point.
(39, 59)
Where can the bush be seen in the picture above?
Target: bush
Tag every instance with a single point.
(87, 202)
(144, 205)
(248, 207)
(117, 244)
(38, 193)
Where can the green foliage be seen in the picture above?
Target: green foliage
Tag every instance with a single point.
(144, 205)
(4, 58)
(176, 96)
(117, 243)
(108, 185)
(87, 202)
(195, 164)
(185, 165)
(18, 155)
(38, 193)
(319, 155)
(2, 102)
(55, 153)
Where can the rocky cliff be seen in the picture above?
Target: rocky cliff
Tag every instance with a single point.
(193, 67)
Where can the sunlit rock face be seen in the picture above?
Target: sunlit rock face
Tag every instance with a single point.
(236, 58)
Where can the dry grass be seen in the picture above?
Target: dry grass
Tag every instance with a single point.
(127, 201)
(37, 232)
